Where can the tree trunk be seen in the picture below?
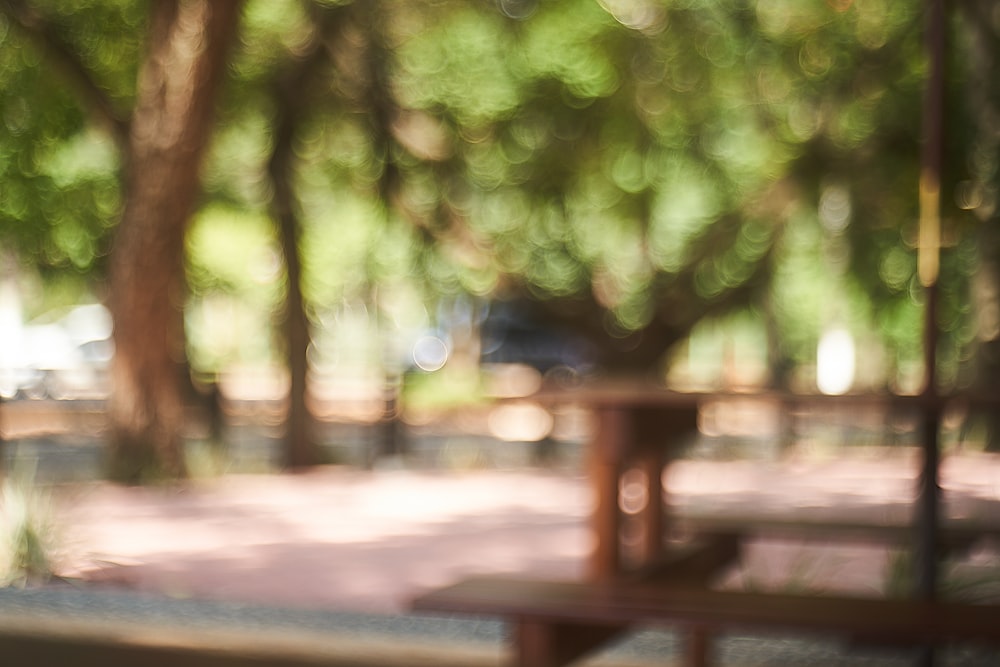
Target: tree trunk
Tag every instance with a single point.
(185, 63)
(291, 102)
(300, 449)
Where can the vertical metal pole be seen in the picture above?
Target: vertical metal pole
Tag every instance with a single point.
(931, 167)
(929, 491)
(3, 444)
(929, 261)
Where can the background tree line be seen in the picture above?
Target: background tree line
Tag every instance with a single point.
(631, 170)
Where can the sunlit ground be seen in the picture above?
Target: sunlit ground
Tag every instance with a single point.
(468, 501)
(341, 538)
(335, 538)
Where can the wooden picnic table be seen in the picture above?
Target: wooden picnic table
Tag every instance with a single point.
(635, 433)
(635, 577)
(638, 428)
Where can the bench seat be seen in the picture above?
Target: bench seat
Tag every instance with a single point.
(954, 536)
(554, 620)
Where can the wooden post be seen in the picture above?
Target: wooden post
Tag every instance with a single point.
(611, 439)
(658, 431)
(545, 643)
(697, 647)
(650, 461)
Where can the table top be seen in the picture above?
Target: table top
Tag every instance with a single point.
(612, 391)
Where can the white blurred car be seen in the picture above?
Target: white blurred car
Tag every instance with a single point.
(60, 355)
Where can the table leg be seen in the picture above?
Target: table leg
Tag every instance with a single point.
(650, 462)
(542, 643)
(611, 438)
(697, 647)
(655, 434)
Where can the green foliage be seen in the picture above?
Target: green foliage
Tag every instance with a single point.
(235, 275)
(653, 157)
(662, 162)
(270, 31)
(466, 53)
(451, 389)
(59, 170)
(231, 251)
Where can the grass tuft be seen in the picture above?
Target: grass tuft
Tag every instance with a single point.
(28, 541)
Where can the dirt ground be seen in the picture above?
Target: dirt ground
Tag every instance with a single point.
(341, 538)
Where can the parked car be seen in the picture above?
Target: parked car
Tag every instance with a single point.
(64, 354)
(511, 335)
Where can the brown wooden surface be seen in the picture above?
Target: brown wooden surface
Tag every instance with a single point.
(637, 427)
(542, 643)
(604, 469)
(626, 391)
(632, 437)
(953, 536)
(640, 423)
(889, 620)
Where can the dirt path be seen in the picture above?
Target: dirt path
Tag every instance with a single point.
(345, 539)
(332, 538)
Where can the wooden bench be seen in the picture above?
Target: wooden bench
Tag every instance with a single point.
(954, 537)
(557, 622)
